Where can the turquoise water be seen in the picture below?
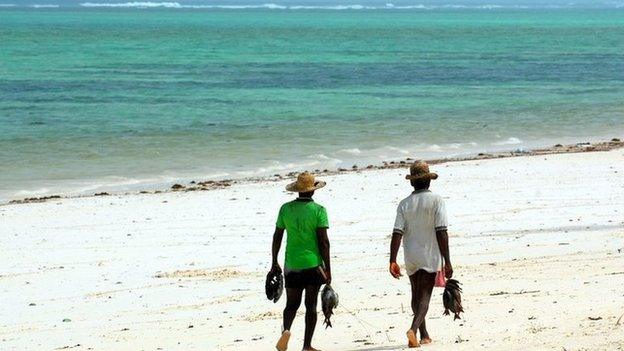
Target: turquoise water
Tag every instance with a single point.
(97, 99)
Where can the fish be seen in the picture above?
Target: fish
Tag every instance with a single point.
(329, 301)
(451, 298)
(274, 286)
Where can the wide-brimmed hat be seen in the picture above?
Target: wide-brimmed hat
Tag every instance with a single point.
(305, 183)
(419, 170)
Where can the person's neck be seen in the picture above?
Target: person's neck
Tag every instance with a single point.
(305, 197)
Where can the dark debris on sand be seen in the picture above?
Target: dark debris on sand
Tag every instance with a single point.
(614, 143)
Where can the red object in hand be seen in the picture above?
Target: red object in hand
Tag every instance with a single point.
(440, 280)
(395, 270)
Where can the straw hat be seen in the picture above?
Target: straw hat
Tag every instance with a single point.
(419, 170)
(305, 183)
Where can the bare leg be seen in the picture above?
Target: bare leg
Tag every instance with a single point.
(293, 300)
(422, 285)
(424, 335)
(311, 297)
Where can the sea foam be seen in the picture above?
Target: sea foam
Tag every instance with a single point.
(133, 4)
(273, 6)
(510, 141)
(177, 5)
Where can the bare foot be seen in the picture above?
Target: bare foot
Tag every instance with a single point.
(425, 341)
(282, 343)
(411, 339)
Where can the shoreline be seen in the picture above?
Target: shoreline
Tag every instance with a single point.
(207, 185)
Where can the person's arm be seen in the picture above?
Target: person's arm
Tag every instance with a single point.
(442, 236)
(323, 243)
(395, 243)
(277, 243)
(441, 223)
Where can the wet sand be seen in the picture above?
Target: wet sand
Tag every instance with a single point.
(206, 185)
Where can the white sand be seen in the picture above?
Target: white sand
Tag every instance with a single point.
(537, 241)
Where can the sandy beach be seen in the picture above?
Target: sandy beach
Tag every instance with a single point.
(537, 241)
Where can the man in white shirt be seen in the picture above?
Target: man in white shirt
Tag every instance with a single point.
(421, 224)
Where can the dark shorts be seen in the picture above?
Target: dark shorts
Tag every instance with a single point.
(303, 278)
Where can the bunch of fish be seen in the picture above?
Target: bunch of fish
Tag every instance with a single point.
(274, 285)
(329, 301)
(452, 298)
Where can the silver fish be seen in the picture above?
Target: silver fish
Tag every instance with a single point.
(329, 301)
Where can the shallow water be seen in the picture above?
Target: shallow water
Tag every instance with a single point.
(96, 98)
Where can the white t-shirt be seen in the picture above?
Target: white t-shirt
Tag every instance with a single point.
(418, 217)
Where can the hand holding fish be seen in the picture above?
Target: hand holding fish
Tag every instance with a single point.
(448, 270)
(275, 268)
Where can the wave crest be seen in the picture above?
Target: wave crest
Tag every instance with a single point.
(44, 6)
(133, 4)
(510, 141)
(272, 6)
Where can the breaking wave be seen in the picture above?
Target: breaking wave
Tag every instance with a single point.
(134, 4)
(273, 6)
(510, 141)
(44, 6)
(269, 6)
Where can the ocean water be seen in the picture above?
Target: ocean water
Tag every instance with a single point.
(120, 95)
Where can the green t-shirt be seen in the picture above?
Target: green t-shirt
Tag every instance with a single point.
(301, 218)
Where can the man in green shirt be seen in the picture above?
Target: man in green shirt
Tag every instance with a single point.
(307, 264)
